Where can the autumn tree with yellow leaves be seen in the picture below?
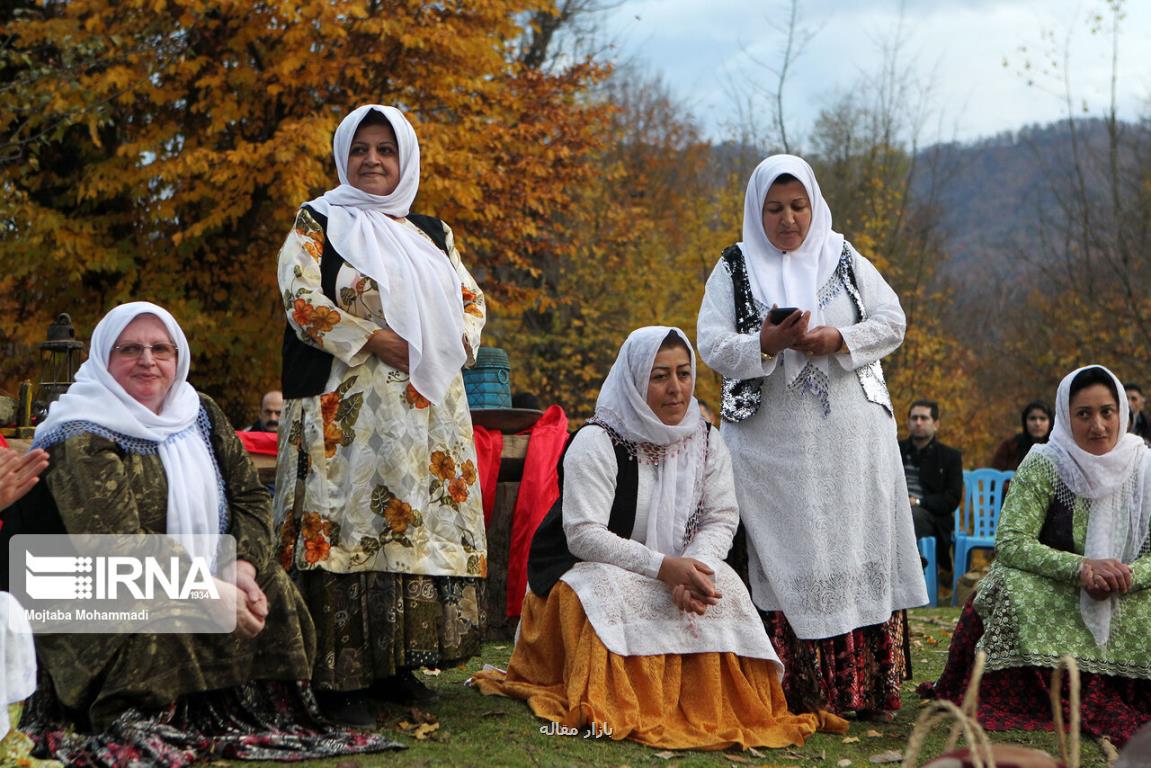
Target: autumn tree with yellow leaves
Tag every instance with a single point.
(158, 149)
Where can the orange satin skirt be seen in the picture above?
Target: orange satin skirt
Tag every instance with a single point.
(673, 701)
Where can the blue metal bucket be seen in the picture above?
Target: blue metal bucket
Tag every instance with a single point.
(488, 382)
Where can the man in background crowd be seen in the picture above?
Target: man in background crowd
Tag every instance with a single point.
(270, 409)
(1139, 424)
(934, 474)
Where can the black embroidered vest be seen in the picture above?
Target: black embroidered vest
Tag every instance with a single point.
(742, 397)
(549, 557)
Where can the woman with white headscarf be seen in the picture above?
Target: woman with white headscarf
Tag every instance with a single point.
(135, 449)
(1070, 575)
(831, 548)
(634, 626)
(377, 495)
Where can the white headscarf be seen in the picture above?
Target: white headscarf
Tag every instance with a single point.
(1114, 486)
(789, 278)
(420, 293)
(675, 450)
(97, 398)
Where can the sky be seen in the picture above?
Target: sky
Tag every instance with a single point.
(706, 50)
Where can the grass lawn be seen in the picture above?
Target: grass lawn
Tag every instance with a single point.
(484, 731)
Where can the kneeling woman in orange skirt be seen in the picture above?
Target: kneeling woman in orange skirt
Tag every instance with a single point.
(634, 627)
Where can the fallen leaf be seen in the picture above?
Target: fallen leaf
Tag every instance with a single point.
(932, 641)
(755, 752)
(890, 756)
(494, 713)
(424, 730)
(873, 734)
(843, 763)
(666, 755)
(850, 739)
(430, 672)
(738, 758)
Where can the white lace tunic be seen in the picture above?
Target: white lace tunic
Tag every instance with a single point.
(823, 497)
(631, 611)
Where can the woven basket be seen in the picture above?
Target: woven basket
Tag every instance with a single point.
(980, 752)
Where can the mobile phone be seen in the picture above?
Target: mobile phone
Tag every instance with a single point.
(779, 314)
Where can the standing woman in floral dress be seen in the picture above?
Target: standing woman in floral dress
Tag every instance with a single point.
(377, 495)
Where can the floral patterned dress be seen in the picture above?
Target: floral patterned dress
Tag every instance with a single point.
(377, 496)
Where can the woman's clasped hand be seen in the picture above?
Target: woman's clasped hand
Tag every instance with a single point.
(692, 583)
(1102, 578)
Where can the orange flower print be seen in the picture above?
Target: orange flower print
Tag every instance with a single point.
(313, 525)
(399, 515)
(313, 249)
(442, 465)
(302, 313)
(470, 305)
(458, 490)
(468, 472)
(316, 532)
(288, 544)
(329, 406)
(316, 550)
(415, 399)
(333, 437)
(324, 319)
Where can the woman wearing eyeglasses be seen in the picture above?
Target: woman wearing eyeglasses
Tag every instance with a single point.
(134, 448)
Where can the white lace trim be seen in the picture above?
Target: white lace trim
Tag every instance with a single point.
(634, 615)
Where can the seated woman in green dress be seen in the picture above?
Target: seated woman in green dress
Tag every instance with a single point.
(1070, 575)
(134, 448)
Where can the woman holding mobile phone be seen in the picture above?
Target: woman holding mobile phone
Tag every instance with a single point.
(832, 559)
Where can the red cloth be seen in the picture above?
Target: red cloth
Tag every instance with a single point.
(489, 446)
(259, 442)
(539, 489)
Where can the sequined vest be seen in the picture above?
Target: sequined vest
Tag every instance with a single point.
(741, 397)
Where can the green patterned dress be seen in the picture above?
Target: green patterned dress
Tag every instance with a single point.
(1029, 601)
(99, 486)
(377, 491)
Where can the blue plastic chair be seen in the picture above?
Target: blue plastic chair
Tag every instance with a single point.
(976, 520)
(930, 572)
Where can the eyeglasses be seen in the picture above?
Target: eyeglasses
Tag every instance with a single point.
(161, 351)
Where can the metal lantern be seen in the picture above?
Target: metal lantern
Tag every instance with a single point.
(59, 359)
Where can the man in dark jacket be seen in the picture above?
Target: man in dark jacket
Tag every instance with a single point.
(934, 479)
